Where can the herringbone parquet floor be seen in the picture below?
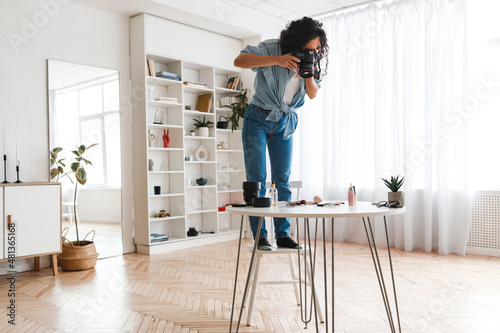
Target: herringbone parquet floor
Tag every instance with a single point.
(190, 291)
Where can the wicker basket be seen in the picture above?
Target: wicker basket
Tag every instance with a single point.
(78, 257)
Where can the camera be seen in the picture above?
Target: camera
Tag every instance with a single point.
(307, 58)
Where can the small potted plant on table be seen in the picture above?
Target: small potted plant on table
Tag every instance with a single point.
(394, 185)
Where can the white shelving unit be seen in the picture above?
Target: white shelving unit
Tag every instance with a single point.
(187, 205)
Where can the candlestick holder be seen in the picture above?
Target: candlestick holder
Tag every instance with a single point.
(17, 171)
(5, 169)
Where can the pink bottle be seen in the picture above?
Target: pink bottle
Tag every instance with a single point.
(351, 196)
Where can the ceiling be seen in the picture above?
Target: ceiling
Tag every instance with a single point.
(235, 18)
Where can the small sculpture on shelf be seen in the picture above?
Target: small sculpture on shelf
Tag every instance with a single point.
(159, 116)
(166, 139)
(151, 164)
(162, 213)
(164, 165)
(151, 138)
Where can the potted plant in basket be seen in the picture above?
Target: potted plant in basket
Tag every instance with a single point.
(394, 184)
(79, 254)
(202, 126)
(239, 109)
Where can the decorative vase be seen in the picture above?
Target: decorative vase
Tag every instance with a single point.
(201, 181)
(396, 196)
(200, 154)
(166, 139)
(203, 131)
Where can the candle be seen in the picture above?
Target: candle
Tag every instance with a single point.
(17, 149)
(4, 139)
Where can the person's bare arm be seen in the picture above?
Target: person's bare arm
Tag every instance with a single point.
(250, 60)
(311, 87)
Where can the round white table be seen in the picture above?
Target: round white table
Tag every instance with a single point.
(363, 210)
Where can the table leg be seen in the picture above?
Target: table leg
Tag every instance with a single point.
(378, 270)
(333, 276)
(325, 275)
(248, 276)
(236, 276)
(392, 273)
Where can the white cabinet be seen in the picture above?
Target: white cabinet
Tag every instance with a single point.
(174, 170)
(35, 211)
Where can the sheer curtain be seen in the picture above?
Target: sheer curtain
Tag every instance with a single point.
(391, 105)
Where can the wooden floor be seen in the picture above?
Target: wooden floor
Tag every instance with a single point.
(190, 291)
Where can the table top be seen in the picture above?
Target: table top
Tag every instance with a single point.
(362, 209)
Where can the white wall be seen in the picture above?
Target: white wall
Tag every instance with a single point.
(32, 32)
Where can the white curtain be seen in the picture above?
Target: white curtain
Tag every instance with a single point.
(397, 71)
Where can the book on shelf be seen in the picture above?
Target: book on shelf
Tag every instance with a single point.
(195, 84)
(168, 75)
(166, 99)
(151, 67)
(236, 83)
(230, 82)
(204, 102)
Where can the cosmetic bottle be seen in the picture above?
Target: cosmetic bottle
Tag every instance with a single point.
(273, 194)
(355, 195)
(351, 196)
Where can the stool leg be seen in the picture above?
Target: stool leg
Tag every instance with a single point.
(293, 271)
(255, 284)
(316, 300)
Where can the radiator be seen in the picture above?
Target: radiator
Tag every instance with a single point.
(484, 232)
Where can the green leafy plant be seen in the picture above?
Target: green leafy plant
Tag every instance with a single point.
(77, 170)
(57, 166)
(239, 109)
(202, 123)
(395, 183)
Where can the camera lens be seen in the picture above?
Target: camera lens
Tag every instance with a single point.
(250, 191)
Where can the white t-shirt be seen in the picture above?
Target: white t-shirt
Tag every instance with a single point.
(292, 88)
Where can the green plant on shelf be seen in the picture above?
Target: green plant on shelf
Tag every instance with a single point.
(239, 109)
(202, 123)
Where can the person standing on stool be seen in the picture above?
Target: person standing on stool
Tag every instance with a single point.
(271, 117)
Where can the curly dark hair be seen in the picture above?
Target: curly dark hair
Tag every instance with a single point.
(300, 32)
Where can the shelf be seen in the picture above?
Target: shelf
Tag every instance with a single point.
(164, 242)
(223, 110)
(230, 151)
(158, 219)
(166, 195)
(202, 211)
(198, 113)
(162, 82)
(190, 137)
(166, 172)
(196, 89)
(224, 171)
(162, 104)
(164, 126)
(199, 162)
(221, 130)
(197, 187)
(230, 191)
(164, 149)
(227, 91)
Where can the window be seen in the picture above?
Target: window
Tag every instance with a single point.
(482, 107)
(87, 114)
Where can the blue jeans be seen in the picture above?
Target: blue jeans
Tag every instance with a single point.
(257, 133)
